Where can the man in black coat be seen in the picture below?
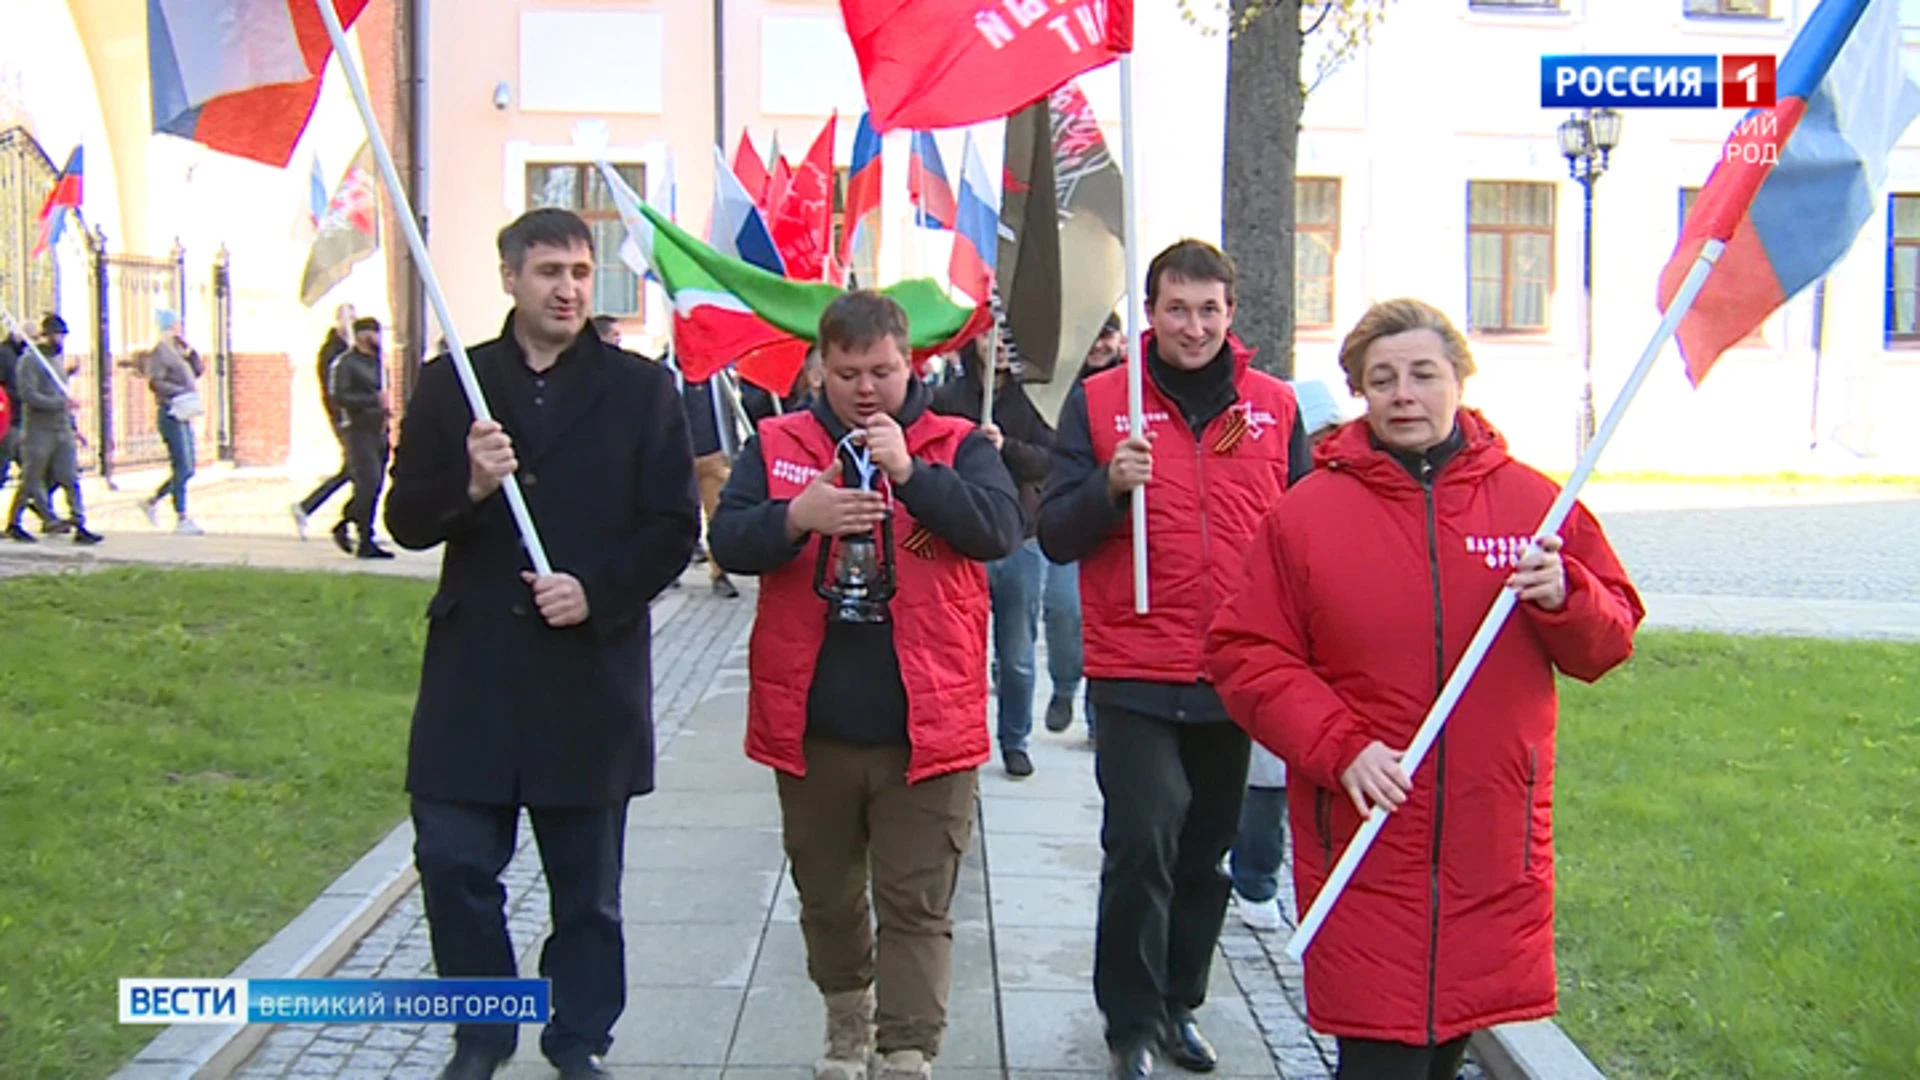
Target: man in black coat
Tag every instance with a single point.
(536, 691)
(1025, 442)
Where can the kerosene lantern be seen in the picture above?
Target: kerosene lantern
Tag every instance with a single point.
(854, 574)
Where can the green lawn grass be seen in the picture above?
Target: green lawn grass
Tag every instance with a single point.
(1738, 833)
(187, 759)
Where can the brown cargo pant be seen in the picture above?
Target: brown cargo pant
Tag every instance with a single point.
(854, 810)
(711, 471)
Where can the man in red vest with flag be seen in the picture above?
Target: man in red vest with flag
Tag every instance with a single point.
(871, 709)
(1223, 441)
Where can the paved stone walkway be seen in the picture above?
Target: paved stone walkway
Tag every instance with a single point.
(716, 969)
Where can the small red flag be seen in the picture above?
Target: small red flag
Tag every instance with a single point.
(802, 218)
(750, 169)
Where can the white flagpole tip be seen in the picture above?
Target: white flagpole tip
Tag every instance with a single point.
(591, 136)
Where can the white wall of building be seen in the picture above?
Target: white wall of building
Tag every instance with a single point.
(1446, 94)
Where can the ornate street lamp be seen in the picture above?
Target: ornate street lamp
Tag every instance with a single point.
(1586, 138)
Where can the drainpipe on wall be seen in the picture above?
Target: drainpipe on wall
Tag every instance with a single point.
(418, 45)
(720, 74)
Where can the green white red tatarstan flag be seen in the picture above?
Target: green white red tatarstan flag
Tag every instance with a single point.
(729, 312)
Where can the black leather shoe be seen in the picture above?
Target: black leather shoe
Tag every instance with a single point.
(342, 538)
(371, 550)
(19, 535)
(1133, 1065)
(724, 588)
(1187, 1047)
(1019, 764)
(588, 1068)
(472, 1063)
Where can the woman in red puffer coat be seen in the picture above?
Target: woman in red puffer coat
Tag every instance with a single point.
(1364, 586)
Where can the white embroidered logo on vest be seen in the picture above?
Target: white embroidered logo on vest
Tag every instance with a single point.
(1499, 552)
(793, 472)
(1123, 424)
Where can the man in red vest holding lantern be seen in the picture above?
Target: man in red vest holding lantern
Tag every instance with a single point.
(1223, 441)
(868, 519)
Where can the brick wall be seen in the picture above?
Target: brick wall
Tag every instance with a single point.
(262, 408)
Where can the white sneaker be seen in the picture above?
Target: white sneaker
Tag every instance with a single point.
(151, 508)
(1259, 915)
(300, 520)
(186, 527)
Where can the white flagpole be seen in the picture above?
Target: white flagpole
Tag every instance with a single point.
(989, 356)
(510, 487)
(1503, 605)
(1136, 367)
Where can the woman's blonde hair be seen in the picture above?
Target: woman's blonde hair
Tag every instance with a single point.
(1390, 317)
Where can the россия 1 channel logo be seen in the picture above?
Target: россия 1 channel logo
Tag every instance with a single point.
(1731, 81)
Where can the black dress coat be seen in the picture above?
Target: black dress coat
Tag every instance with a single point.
(511, 710)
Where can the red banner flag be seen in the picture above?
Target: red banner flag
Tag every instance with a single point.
(948, 63)
(802, 219)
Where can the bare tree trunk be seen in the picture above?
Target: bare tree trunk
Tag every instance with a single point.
(1263, 142)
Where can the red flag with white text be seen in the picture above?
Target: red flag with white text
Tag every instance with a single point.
(948, 63)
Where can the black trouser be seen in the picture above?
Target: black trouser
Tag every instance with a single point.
(367, 462)
(332, 483)
(1172, 806)
(1368, 1059)
(461, 849)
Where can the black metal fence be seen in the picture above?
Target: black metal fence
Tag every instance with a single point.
(129, 292)
(125, 292)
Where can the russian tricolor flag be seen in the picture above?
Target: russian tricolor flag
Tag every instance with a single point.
(976, 233)
(1796, 183)
(863, 186)
(240, 76)
(736, 228)
(927, 185)
(65, 198)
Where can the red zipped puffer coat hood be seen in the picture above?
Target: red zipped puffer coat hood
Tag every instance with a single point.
(1363, 591)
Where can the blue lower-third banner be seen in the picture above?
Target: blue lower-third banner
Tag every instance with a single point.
(334, 1001)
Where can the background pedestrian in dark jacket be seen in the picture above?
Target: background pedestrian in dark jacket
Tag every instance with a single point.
(1025, 441)
(358, 382)
(536, 691)
(49, 451)
(712, 460)
(338, 340)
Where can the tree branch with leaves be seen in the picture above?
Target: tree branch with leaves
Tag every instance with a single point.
(1266, 94)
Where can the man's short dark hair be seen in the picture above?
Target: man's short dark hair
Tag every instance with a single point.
(53, 324)
(549, 226)
(1112, 325)
(366, 323)
(856, 320)
(1191, 260)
